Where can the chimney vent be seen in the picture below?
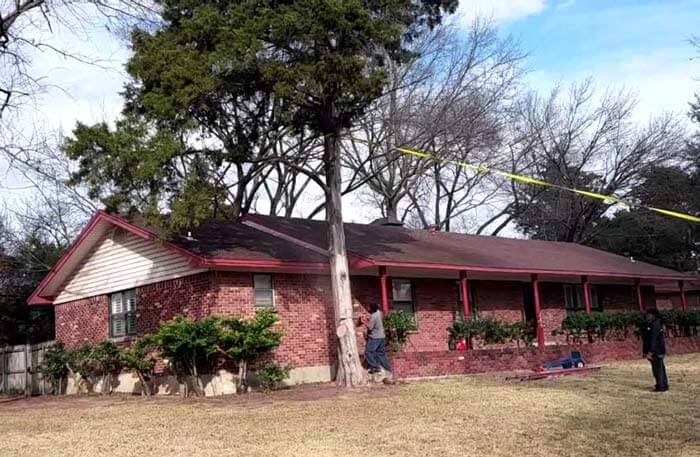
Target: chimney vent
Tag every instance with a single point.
(387, 221)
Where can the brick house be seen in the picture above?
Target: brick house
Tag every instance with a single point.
(121, 278)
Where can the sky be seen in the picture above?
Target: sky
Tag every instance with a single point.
(641, 46)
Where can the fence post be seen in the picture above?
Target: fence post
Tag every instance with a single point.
(3, 370)
(27, 370)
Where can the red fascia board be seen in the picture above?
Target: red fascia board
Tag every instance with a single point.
(438, 266)
(150, 236)
(35, 298)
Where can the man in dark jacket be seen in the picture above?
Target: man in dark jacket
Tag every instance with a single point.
(654, 348)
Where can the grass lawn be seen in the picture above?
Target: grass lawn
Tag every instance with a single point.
(607, 414)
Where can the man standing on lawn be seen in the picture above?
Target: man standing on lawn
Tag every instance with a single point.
(655, 348)
(375, 351)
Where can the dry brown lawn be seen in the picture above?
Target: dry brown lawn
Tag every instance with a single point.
(611, 413)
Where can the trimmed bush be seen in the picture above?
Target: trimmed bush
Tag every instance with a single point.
(271, 375)
(189, 346)
(54, 367)
(94, 363)
(245, 339)
(140, 358)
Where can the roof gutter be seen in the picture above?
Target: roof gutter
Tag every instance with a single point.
(455, 267)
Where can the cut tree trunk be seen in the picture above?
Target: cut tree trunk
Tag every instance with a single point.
(350, 371)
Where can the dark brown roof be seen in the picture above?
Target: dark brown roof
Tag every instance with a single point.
(230, 239)
(234, 240)
(398, 245)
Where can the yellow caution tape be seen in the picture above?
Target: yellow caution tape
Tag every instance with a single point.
(538, 182)
(667, 212)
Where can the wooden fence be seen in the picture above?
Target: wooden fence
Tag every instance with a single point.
(20, 369)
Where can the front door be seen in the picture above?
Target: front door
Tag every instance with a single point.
(529, 302)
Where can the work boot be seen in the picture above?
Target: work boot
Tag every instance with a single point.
(389, 378)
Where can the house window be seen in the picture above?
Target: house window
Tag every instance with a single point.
(402, 296)
(473, 306)
(122, 314)
(264, 292)
(574, 301)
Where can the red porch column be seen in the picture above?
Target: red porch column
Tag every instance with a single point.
(464, 287)
(586, 294)
(538, 312)
(383, 291)
(638, 289)
(684, 303)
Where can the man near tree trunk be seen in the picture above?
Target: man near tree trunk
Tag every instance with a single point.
(375, 352)
(655, 349)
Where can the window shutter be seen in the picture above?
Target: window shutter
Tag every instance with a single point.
(118, 326)
(117, 303)
(263, 291)
(130, 300)
(131, 324)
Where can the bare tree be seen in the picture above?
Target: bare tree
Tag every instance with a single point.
(581, 138)
(450, 103)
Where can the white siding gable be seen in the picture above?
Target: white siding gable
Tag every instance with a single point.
(121, 261)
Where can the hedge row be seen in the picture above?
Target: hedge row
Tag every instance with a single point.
(606, 326)
(491, 331)
(576, 327)
(189, 347)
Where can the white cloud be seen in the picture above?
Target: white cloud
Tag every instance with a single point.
(500, 10)
(565, 4)
(664, 80)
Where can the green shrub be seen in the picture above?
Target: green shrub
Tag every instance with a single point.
(603, 326)
(271, 375)
(680, 323)
(54, 366)
(464, 330)
(140, 358)
(245, 339)
(523, 332)
(189, 346)
(398, 325)
(94, 363)
(492, 331)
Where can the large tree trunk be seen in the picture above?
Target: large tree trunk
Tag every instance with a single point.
(350, 371)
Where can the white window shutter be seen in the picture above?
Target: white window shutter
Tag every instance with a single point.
(117, 303)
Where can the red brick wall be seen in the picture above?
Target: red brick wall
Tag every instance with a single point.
(82, 321)
(553, 310)
(500, 300)
(305, 308)
(673, 300)
(441, 363)
(302, 301)
(617, 297)
(190, 296)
